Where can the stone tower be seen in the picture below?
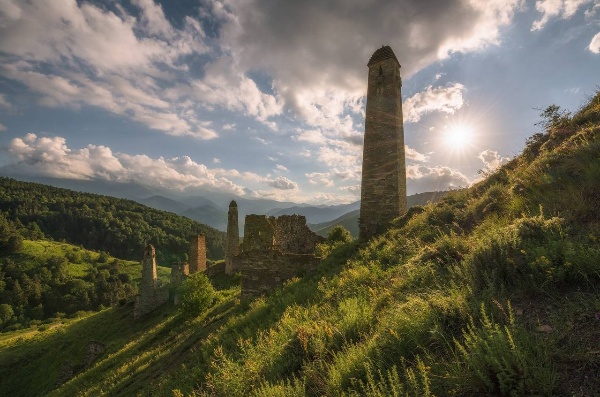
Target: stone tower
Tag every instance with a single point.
(197, 254)
(146, 300)
(232, 247)
(383, 190)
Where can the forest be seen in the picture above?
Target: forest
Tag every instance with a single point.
(117, 226)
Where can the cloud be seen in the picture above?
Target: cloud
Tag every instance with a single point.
(412, 154)
(550, 9)
(322, 78)
(353, 189)
(444, 99)
(4, 103)
(491, 159)
(420, 178)
(282, 183)
(73, 54)
(280, 167)
(595, 44)
(224, 85)
(320, 178)
(2, 127)
(216, 160)
(51, 157)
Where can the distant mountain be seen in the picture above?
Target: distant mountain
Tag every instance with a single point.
(350, 219)
(318, 214)
(164, 204)
(209, 215)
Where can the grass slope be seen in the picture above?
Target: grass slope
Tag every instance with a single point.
(492, 291)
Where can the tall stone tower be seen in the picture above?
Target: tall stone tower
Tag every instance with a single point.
(383, 190)
(146, 300)
(197, 254)
(232, 247)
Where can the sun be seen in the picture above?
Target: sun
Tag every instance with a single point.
(458, 137)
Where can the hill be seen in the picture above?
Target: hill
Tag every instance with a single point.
(350, 220)
(44, 281)
(492, 291)
(118, 226)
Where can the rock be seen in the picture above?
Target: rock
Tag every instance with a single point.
(518, 311)
(544, 328)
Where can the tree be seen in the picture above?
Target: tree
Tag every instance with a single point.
(6, 313)
(338, 235)
(196, 294)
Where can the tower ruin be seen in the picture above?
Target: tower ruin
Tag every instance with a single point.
(197, 257)
(232, 247)
(383, 189)
(151, 293)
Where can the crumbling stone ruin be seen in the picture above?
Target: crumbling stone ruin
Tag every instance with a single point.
(275, 250)
(179, 271)
(232, 247)
(197, 255)
(383, 189)
(152, 294)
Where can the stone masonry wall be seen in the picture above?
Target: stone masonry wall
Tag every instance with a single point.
(292, 235)
(275, 250)
(197, 255)
(263, 271)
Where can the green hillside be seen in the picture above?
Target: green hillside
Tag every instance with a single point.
(118, 226)
(44, 282)
(492, 291)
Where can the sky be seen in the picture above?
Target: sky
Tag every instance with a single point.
(266, 99)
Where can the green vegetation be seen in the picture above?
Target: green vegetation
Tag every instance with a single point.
(196, 294)
(492, 291)
(45, 281)
(121, 227)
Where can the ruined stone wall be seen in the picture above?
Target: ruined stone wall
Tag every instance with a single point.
(259, 233)
(383, 189)
(263, 271)
(197, 257)
(232, 247)
(275, 250)
(179, 272)
(151, 293)
(293, 235)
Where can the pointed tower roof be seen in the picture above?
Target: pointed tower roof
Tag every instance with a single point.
(383, 53)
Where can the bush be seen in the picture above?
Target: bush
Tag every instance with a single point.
(337, 236)
(196, 294)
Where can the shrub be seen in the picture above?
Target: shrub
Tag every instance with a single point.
(501, 361)
(336, 237)
(196, 294)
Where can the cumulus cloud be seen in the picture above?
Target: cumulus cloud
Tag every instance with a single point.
(595, 44)
(420, 178)
(320, 178)
(51, 157)
(412, 154)
(282, 183)
(443, 99)
(550, 9)
(491, 159)
(280, 167)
